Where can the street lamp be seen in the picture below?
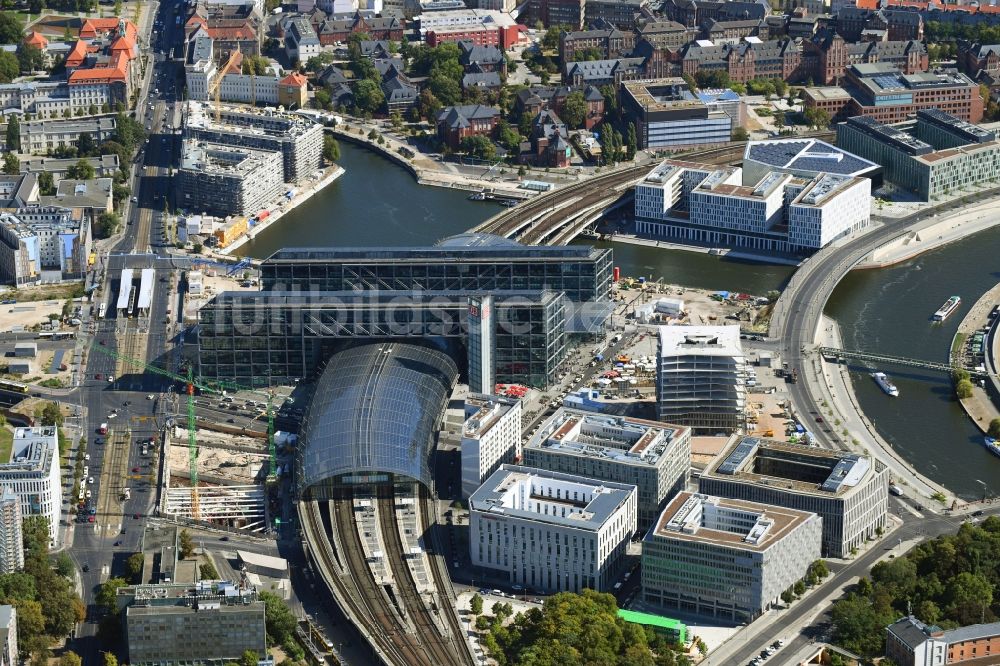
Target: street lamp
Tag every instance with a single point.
(983, 484)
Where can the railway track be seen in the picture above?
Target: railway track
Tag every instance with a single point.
(508, 223)
(441, 650)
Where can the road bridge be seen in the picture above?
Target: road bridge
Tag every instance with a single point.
(884, 359)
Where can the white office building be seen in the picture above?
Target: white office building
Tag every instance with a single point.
(33, 474)
(778, 213)
(491, 436)
(849, 491)
(701, 378)
(550, 531)
(654, 456)
(11, 540)
(726, 558)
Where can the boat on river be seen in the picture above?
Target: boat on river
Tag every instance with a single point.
(945, 310)
(992, 446)
(883, 383)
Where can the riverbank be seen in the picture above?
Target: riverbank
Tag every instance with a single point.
(980, 408)
(741, 255)
(936, 233)
(842, 408)
(331, 174)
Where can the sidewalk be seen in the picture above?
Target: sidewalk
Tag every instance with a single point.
(980, 408)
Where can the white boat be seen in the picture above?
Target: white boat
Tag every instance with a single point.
(945, 310)
(884, 384)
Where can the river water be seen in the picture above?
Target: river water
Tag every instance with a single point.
(378, 203)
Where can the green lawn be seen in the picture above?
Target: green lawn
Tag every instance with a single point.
(6, 443)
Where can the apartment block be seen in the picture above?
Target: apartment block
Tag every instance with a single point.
(654, 456)
(299, 140)
(11, 540)
(550, 531)
(222, 180)
(849, 491)
(910, 642)
(725, 558)
(491, 436)
(8, 636)
(33, 475)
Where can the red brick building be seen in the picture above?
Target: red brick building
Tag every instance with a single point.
(455, 123)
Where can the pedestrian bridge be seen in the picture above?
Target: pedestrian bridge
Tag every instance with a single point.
(833, 353)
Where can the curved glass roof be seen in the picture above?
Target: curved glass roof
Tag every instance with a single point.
(374, 411)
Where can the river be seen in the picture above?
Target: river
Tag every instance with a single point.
(378, 203)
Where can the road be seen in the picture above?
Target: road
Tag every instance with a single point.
(100, 548)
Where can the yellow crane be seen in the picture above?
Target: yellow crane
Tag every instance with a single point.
(215, 88)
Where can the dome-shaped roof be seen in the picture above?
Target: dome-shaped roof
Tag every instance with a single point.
(374, 411)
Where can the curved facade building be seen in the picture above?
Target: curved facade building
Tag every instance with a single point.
(373, 417)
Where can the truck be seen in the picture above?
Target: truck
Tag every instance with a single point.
(792, 376)
(895, 490)
(103, 430)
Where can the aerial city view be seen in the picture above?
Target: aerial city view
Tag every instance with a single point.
(469, 333)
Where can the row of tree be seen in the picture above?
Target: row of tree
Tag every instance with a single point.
(950, 581)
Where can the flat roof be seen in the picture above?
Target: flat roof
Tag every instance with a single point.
(486, 411)
(125, 289)
(31, 450)
(261, 560)
(505, 489)
(890, 135)
(828, 93)
(700, 341)
(146, 283)
(650, 94)
(750, 526)
(618, 439)
(809, 155)
(844, 471)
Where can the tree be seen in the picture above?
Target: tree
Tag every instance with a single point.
(279, 621)
(85, 145)
(49, 414)
(820, 569)
(249, 658)
(11, 165)
(476, 604)
(135, 564)
(479, 146)
(208, 572)
(331, 148)
(322, 99)
(964, 389)
(631, 142)
(46, 184)
(428, 105)
(958, 374)
(10, 28)
(107, 225)
(788, 596)
(70, 658)
(186, 544)
(110, 659)
(368, 96)
(740, 134)
(994, 429)
(574, 110)
(30, 58)
(64, 565)
(319, 61)
(82, 170)
(107, 594)
(509, 137)
(9, 67)
(799, 588)
(445, 88)
(815, 117)
(256, 65)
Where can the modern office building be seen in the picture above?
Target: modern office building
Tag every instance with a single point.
(779, 213)
(725, 558)
(910, 642)
(849, 491)
(668, 116)
(804, 158)
(482, 344)
(550, 531)
(655, 457)
(222, 180)
(312, 298)
(491, 436)
(701, 378)
(33, 475)
(880, 91)
(931, 157)
(298, 139)
(8, 636)
(11, 539)
(172, 624)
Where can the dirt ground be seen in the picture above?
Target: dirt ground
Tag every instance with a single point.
(28, 314)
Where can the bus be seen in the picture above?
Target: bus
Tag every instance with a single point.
(17, 387)
(102, 310)
(64, 335)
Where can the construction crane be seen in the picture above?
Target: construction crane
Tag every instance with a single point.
(206, 386)
(215, 88)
